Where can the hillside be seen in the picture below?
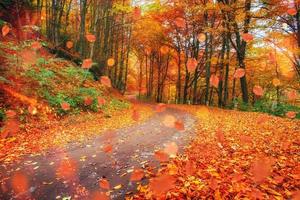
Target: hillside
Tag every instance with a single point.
(48, 101)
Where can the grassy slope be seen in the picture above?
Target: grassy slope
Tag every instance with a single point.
(37, 79)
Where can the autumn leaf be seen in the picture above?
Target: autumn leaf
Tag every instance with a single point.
(220, 136)
(162, 184)
(296, 195)
(291, 11)
(292, 95)
(180, 22)
(164, 50)
(101, 101)
(19, 182)
(90, 37)
(291, 114)
(5, 30)
(245, 139)
(214, 80)
(148, 51)
(201, 37)
(247, 37)
(65, 106)
(136, 12)
(276, 82)
(143, 90)
(161, 107)
(171, 149)
(272, 58)
(111, 62)
(11, 127)
(104, 184)
(87, 63)
(69, 44)
(32, 110)
(108, 148)
(105, 80)
(169, 121)
(258, 91)
(261, 169)
(239, 73)
(192, 64)
(137, 175)
(99, 196)
(161, 156)
(190, 168)
(36, 45)
(67, 169)
(10, 114)
(179, 125)
(257, 194)
(88, 101)
(135, 115)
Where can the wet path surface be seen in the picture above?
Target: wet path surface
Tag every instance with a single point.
(132, 147)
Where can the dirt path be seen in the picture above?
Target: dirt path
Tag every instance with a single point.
(132, 147)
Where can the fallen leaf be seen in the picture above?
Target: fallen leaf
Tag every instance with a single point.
(214, 80)
(180, 22)
(108, 148)
(101, 101)
(258, 91)
(104, 184)
(164, 50)
(135, 115)
(169, 121)
(5, 30)
(90, 37)
(105, 80)
(32, 110)
(36, 45)
(19, 183)
(87, 63)
(171, 149)
(67, 169)
(137, 175)
(201, 37)
(162, 184)
(179, 125)
(292, 95)
(161, 107)
(65, 106)
(88, 101)
(10, 113)
(69, 44)
(291, 114)
(111, 62)
(239, 73)
(291, 11)
(99, 196)
(161, 156)
(261, 169)
(192, 64)
(247, 37)
(276, 82)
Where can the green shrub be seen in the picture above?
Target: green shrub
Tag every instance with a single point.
(2, 114)
(275, 109)
(118, 104)
(266, 106)
(76, 102)
(43, 76)
(78, 73)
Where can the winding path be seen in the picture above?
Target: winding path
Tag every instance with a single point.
(132, 147)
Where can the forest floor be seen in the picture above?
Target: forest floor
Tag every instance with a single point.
(221, 154)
